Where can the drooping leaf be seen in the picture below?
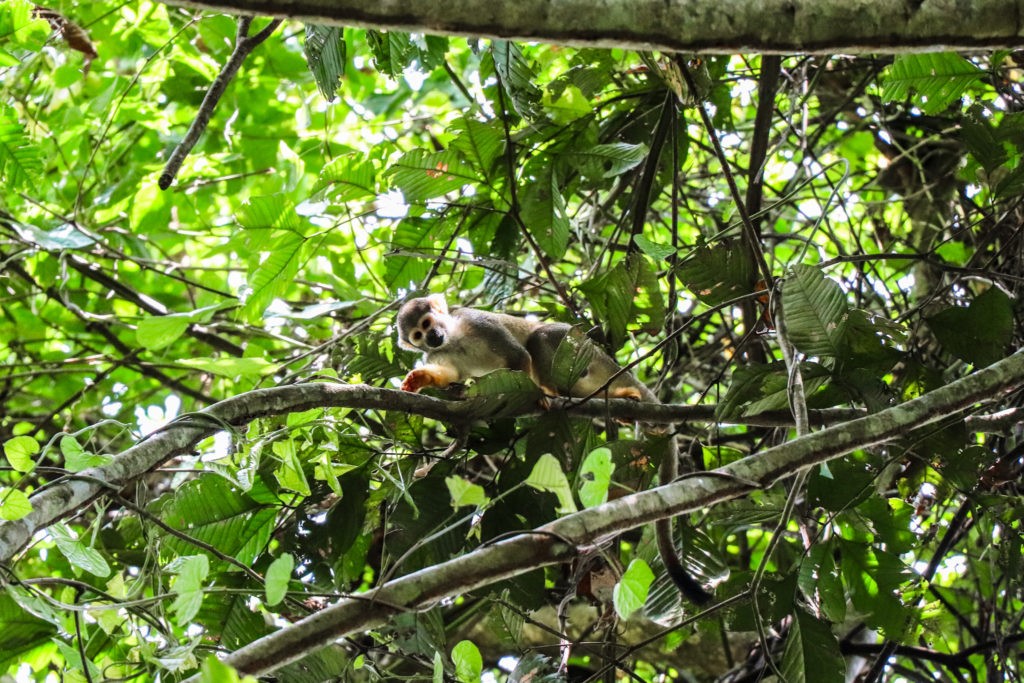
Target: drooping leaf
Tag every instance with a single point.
(596, 477)
(278, 575)
(77, 552)
(518, 78)
(547, 475)
(274, 274)
(464, 492)
(610, 160)
(812, 652)
(542, 209)
(325, 53)
(815, 311)
(20, 163)
(192, 572)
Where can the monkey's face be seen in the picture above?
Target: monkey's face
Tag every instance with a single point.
(422, 324)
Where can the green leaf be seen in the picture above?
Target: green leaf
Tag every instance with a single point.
(542, 209)
(192, 572)
(268, 212)
(469, 665)
(77, 553)
(158, 331)
(815, 311)
(422, 175)
(392, 50)
(479, 143)
(596, 477)
(66, 236)
(465, 493)
(273, 275)
(517, 78)
(20, 163)
(980, 333)
(812, 652)
(608, 161)
(289, 472)
(718, 273)
(655, 250)
(14, 504)
(278, 575)
(631, 591)
(567, 105)
(547, 475)
(325, 53)
(212, 510)
(346, 178)
(503, 392)
(933, 80)
(19, 452)
(77, 458)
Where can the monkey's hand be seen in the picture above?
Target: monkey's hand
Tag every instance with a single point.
(429, 376)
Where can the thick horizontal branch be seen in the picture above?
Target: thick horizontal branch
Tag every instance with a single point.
(558, 541)
(68, 495)
(709, 26)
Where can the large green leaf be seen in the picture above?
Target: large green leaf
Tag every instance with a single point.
(717, 273)
(20, 163)
(933, 80)
(212, 510)
(607, 161)
(20, 631)
(812, 652)
(346, 178)
(422, 175)
(325, 52)
(815, 311)
(518, 78)
(479, 143)
(542, 209)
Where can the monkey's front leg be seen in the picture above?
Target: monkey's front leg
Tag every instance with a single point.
(431, 375)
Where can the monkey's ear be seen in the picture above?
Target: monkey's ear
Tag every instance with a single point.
(438, 303)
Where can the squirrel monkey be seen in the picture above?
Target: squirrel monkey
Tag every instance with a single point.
(463, 343)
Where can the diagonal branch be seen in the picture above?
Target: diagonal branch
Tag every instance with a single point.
(244, 45)
(559, 541)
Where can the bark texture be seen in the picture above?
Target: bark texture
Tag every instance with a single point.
(709, 26)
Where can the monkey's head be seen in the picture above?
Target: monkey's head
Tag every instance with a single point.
(423, 323)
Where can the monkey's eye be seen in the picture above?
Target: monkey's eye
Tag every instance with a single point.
(426, 323)
(416, 336)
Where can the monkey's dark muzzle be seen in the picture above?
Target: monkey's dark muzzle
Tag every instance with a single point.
(434, 339)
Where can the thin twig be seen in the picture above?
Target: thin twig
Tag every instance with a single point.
(244, 45)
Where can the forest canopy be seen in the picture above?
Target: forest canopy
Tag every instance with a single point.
(208, 224)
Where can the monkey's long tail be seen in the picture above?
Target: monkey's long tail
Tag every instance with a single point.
(687, 585)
